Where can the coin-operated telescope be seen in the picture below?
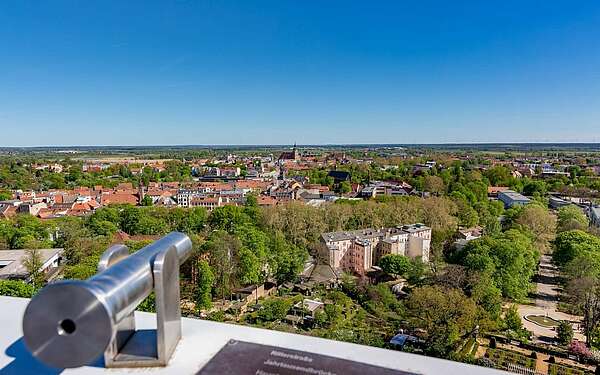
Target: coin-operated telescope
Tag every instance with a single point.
(71, 323)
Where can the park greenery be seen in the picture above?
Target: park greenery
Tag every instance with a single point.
(577, 253)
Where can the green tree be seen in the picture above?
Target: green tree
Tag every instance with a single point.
(434, 185)
(146, 201)
(287, 259)
(148, 304)
(28, 232)
(227, 218)
(467, 215)
(564, 332)
(33, 263)
(512, 320)
(586, 264)
(535, 186)
(130, 219)
(540, 222)
(274, 309)
(395, 264)
(81, 271)
(103, 227)
(345, 187)
(498, 175)
(192, 220)
(570, 244)
(584, 293)
(80, 244)
(104, 221)
(206, 279)
(446, 315)
(223, 248)
(509, 258)
(486, 294)
(491, 225)
(249, 267)
(571, 217)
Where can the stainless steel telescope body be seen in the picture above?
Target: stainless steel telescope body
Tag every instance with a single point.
(71, 323)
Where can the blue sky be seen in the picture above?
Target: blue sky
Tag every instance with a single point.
(312, 72)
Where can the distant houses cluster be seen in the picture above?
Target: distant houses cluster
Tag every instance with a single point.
(229, 179)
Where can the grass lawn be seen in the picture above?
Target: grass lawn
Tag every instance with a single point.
(543, 321)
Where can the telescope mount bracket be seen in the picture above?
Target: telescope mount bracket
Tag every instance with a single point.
(148, 347)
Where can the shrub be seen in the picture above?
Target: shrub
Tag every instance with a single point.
(579, 348)
(16, 288)
(216, 316)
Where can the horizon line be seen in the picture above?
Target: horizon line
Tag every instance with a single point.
(304, 145)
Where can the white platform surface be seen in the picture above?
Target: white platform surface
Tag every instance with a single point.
(203, 339)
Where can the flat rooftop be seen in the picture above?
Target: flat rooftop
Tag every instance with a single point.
(513, 195)
(370, 233)
(202, 340)
(11, 261)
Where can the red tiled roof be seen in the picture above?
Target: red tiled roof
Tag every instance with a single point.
(266, 201)
(119, 198)
(496, 189)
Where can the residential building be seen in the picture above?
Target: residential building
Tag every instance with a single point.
(184, 197)
(12, 267)
(230, 171)
(464, 236)
(284, 190)
(31, 208)
(556, 202)
(358, 251)
(376, 188)
(512, 198)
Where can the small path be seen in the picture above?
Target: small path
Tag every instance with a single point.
(546, 303)
(480, 353)
(541, 364)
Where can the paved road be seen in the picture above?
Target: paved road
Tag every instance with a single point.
(546, 301)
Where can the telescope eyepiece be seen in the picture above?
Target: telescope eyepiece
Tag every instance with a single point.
(67, 325)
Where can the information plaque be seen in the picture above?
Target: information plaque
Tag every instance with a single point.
(245, 358)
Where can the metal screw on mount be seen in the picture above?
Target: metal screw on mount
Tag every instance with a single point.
(71, 323)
